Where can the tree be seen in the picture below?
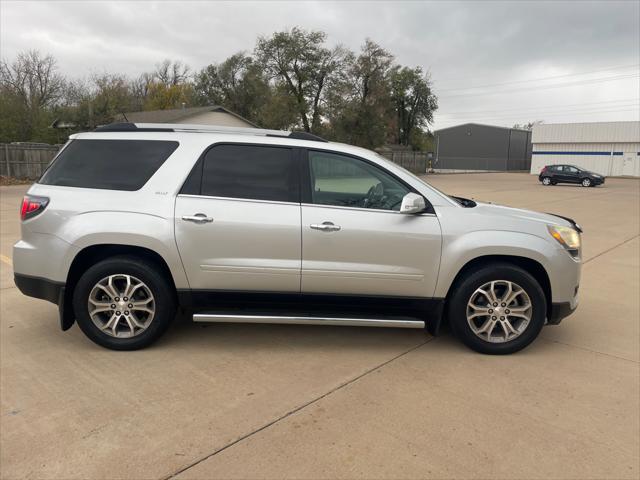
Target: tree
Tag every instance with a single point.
(140, 90)
(171, 73)
(298, 60)
(162, 97)
(111, 96)
(292, 80)
(413, 101)
(360, 110)
(30, 84)
(237, 83)
(97, 101)
(528, 125)
(168, 86)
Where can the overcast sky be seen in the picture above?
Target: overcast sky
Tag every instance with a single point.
(495, 62)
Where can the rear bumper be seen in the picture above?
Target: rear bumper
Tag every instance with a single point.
(560, 311)
(38, 287)
(49, 290)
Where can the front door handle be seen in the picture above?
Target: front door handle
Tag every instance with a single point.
(326, 227)
(197, 218)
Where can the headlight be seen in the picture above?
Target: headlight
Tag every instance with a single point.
(568, 237)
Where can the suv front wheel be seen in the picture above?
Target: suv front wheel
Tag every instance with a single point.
(124, 303)
(497, 309)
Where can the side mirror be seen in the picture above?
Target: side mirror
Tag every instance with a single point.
(412, 203)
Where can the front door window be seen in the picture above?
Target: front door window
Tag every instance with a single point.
(348, 182)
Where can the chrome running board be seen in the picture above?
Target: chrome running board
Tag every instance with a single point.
(308, 320)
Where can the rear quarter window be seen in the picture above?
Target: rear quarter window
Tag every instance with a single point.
(108, 164)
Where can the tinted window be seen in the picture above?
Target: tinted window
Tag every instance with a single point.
(571, 169)
(192, 185)
(347, 181)
(252, 172)
(108, 164)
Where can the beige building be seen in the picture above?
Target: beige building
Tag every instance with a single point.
(212, 115)
(607, 148)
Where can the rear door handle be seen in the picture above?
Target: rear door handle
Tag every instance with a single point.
(197, 218)
(326, 227)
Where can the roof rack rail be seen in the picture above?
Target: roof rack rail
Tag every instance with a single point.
(130, 127)
(179, 127)
(306, 136)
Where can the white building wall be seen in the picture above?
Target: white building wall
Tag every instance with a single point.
(614, 163)
(608, 148)
(594, 132)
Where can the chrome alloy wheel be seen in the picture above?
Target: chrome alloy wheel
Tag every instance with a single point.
(499, 311)
(586, 182)
(546, 181)
(121, 306)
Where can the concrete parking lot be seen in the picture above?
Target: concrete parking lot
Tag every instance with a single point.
(266, 401)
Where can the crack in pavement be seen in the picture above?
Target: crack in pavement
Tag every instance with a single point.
(589, 350)
(367, 372)
(296, 409)
(611, 249)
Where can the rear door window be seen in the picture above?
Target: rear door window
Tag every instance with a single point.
(251, 172)
(108, 164)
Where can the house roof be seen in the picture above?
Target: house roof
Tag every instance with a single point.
(176, 115)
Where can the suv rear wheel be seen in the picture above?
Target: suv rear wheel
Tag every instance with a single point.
(546, 181)
(124, 303)
(497, 309)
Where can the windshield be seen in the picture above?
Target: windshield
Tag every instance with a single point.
(464, 202)
(458, 200)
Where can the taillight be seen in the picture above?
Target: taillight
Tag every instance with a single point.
(544, 169)
(32, 206)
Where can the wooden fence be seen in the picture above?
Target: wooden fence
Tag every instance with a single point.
(23, 160)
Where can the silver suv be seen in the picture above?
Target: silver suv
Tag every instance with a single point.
(133, 221)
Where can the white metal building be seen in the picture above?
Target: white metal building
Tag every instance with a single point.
(607, 148)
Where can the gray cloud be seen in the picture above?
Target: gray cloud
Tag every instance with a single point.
(462, 44)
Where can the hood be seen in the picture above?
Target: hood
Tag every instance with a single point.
(521, 214)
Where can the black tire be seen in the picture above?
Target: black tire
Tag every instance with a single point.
(586, 182)
(474, 279)
(546, 181)
(161, 288)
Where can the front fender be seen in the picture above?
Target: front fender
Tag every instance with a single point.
(460, 250)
